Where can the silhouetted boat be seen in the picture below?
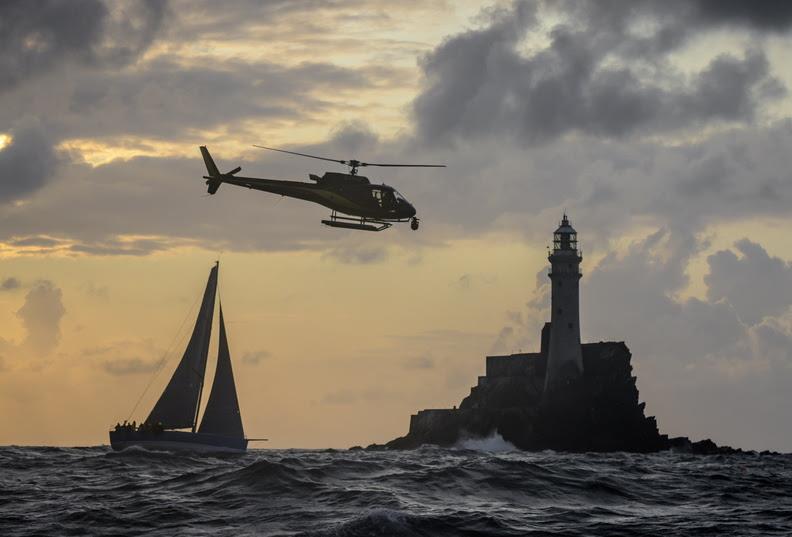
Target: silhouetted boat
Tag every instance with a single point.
(178, 406)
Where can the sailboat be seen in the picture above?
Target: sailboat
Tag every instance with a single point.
(177, 409)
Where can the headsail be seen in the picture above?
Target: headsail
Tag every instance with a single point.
(221, 415)
(177, 407)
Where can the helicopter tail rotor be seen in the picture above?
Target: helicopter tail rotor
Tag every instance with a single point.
(215, 178)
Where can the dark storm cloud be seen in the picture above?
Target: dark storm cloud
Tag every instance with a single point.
(145, 205)
(701, 366)
(639, 285)
(92, 87)
(638, 288)
(775, 15)
(489, 184)
(699, 360)
(162, 202)
(27, 163)
(39, 35)
(679, 18)
(595, 76)
(166, 99)
(755, 284)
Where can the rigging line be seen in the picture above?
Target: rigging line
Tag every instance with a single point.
(178, 337)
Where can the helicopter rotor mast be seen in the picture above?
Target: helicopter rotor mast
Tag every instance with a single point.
(352, 163)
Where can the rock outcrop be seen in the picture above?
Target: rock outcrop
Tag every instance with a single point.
(599, 412)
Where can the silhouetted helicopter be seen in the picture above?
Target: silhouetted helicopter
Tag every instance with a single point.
(375, 207)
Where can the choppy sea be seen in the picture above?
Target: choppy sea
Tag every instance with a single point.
(486, 490)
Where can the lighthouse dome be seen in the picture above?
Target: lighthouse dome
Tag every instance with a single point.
(565, 226)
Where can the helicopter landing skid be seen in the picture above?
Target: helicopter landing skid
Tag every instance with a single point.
(356, 223)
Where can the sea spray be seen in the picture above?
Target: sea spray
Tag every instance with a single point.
(493, 443)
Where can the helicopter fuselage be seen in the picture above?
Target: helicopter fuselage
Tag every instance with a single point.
(349, 194)
(369, 207)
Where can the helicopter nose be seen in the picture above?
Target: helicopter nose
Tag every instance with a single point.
(410, 210)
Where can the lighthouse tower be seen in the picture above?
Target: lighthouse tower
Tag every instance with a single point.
(564, 360)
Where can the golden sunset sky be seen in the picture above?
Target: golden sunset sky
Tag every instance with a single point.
(663, 129)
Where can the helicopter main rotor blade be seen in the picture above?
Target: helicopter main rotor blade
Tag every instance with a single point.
(301, 154)
(403, 165)
(352, 162)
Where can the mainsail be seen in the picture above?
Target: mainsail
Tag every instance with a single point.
(177, 407)
(221, 415)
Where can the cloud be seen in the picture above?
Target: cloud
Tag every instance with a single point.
(130, 366)
(357, 254)
(36, 242)
(755, 284)
(638, 288)
(41, 315)
(147, 205)
(340, 398)
(693, 356)
(773, 15)
(468, 281)
(127, 357)
(165, 99)
(36, 37)
(463, 282)
(595, 76)
(255, 357)
(10, 284)
(27, 163)
(96, 291)
(419, 362)
(349, 397)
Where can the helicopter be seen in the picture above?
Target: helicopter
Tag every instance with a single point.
(364, 206)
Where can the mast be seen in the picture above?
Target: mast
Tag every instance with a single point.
(202, 374)
(198, 405)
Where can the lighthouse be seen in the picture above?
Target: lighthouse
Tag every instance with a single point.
(565, 359)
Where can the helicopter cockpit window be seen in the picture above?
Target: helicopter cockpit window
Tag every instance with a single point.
(386, 197)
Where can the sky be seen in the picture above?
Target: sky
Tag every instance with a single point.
(662, 128)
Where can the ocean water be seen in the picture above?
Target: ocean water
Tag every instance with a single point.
(479, 489)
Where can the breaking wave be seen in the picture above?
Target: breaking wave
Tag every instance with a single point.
(482, 487)
(493, 444)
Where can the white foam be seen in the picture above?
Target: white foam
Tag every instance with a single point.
(493, 443)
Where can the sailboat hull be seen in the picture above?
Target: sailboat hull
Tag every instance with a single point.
(177, 441)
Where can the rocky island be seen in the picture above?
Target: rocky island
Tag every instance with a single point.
(566, 397)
